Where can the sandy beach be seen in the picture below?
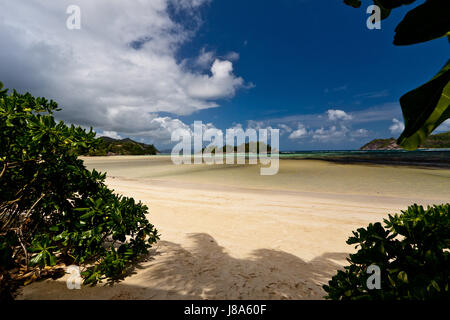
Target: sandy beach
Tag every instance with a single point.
(229, 233)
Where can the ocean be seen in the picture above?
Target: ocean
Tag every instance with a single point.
(422, 157)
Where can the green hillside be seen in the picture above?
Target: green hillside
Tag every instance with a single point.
(109, 147)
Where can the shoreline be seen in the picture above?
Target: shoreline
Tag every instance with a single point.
(382, 162)
(378, 157)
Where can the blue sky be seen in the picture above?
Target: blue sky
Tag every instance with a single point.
(310, 68)
(305, 58)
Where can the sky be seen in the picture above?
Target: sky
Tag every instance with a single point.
(145, 68)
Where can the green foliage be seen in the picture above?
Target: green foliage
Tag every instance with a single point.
(108, 146)
(44, 256)
(426, 107)
(412, 251)
(52, 209)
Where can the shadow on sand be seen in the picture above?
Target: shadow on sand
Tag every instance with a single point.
(204, 270)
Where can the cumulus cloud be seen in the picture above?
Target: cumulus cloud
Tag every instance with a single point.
(257, 125)
(338, 115)
(299, 133)
(333, 126)
(330, 134)
(222, 83)
(119, 71)
(252, 131)
(397, 126)
(205, 58)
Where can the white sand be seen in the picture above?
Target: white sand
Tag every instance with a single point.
(229, 233)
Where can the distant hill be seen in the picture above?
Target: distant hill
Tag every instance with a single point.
(111, 147)
(435, 141)
(253, 145)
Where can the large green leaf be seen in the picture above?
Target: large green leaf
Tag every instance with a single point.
(425, 108)
(428, 21)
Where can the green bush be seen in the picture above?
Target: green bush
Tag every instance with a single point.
(412, 251)
(52, 209)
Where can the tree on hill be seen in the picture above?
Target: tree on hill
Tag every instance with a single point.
(109, 146)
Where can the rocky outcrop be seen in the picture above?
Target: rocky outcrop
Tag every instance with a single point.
(382, 144)
(434, 141)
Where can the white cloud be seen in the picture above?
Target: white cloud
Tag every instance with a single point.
(444, 127)
(397, 126)
(221, 84)
(110, 134)
(116, 73)
(188, 4)
(232, 56)
(252, 124)
(359, 133)
(205, 59)
(338, 115)
(333, 133)
(299, 133)
(334, 126)
(382, 112)
(284, 128)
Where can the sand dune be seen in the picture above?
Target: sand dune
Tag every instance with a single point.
(228, 233)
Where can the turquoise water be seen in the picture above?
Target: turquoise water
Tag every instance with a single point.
(422, 157)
